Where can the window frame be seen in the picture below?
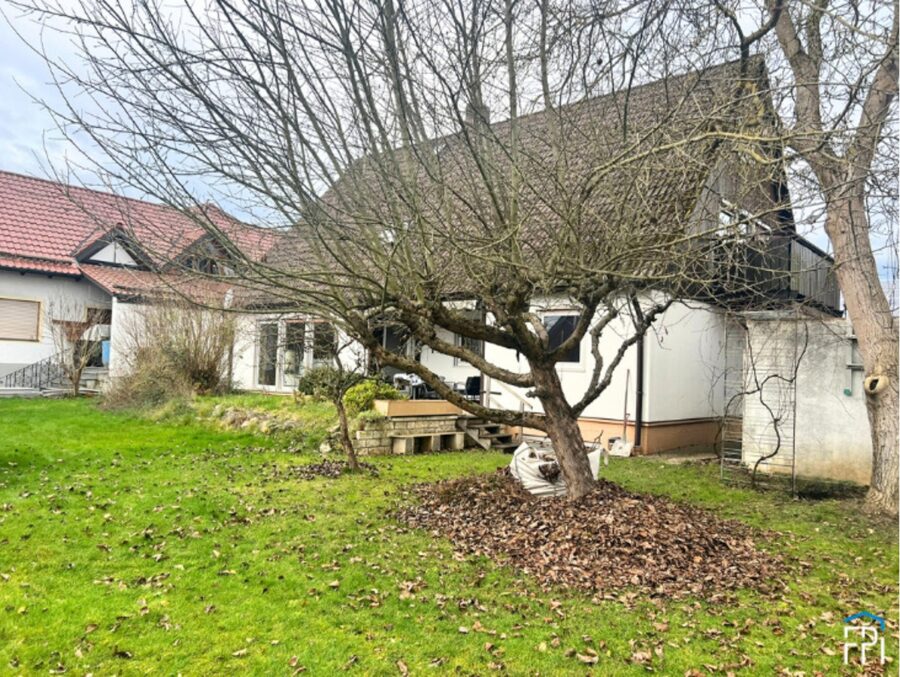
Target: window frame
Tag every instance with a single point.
(566, 365)
(460, 341)
(39, 330)
(260, 350)
(303, 362)
(313, 325)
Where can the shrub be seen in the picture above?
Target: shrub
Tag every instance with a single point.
(362, 396)
(173, 350)
(317, 382)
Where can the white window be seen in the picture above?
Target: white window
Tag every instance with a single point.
(20, 320)
(294, 347)
(268, 354)
(324, 345)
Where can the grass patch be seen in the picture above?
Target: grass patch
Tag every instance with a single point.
(130, 546)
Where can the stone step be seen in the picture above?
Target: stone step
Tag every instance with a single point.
(496, 435)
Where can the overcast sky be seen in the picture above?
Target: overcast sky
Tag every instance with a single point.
(24, 125)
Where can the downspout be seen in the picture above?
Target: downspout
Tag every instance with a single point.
(639, 392)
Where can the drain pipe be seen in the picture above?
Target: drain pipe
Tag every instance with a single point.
(639, 392)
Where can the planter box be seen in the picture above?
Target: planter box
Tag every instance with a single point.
(394, 408)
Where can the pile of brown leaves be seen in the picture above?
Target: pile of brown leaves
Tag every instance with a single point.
(331, 469)
(608, 540)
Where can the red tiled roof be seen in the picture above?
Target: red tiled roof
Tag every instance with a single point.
(36, 265)
(44, 225)
(117, 280)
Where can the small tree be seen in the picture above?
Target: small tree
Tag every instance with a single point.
(331, 383)
(74, 347)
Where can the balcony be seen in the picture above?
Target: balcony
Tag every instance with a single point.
(812, 277)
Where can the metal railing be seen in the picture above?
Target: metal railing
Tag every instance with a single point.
(487, 389)
(43, 374)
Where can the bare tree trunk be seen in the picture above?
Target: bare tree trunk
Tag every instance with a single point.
(346, 442)
(876, 332)
(563, 431)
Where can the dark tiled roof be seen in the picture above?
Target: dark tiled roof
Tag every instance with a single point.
(600, 178)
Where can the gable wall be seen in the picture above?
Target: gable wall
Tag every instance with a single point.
(115, 253)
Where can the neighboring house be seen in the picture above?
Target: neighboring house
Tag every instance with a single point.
(74, 254)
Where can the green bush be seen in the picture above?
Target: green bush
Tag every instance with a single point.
(362, 396)
(317, 382)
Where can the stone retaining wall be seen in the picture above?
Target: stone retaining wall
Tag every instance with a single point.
(410, 434)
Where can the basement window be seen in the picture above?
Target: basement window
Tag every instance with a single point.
(561, 327)
(20, 320)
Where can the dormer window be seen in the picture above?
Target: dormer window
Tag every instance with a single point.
(202, 264)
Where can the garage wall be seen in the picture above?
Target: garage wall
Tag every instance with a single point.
(831, 435)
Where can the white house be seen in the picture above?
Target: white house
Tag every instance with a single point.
(74, 254)
(107, 255)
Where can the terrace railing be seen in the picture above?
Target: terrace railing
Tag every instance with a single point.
(812, 274)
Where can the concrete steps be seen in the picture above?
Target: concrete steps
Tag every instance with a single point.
(488, 435)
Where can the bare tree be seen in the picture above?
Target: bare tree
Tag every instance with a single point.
(70, 323)
(837, 99)
(346, 368)
(369, 130)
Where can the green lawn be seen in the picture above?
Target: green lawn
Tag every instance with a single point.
(130, 546)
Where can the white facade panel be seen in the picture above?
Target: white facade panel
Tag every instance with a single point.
(684, 362)
(113, 253)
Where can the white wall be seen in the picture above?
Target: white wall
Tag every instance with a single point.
(31, 286)
(451, 369)
(113, 253)
(831, 434)
(126, 320)
(684, 361)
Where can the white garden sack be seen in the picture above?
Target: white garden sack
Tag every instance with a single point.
(538, 471)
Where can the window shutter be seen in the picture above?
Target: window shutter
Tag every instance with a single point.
(19, 320)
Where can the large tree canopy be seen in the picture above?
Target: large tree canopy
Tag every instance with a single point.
(421, 153)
